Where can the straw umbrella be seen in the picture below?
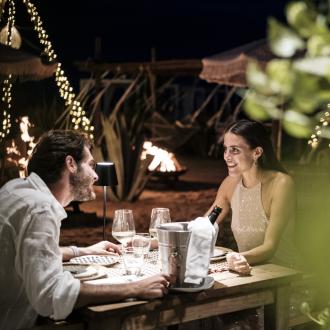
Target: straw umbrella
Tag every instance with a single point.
(23, 64)
(229, 68)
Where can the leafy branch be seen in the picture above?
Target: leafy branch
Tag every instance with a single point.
(295, 87)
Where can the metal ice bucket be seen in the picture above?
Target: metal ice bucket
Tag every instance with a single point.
(173, 241)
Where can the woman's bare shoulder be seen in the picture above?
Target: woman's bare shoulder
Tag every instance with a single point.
(228, 184)
(283, 179)
(282, 182)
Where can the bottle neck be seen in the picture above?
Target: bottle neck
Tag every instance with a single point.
(213, 216)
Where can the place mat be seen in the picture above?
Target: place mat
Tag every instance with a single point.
(102, 260)
(218, 267)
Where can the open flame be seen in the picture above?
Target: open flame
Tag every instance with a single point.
(18, 152)
(163, 160)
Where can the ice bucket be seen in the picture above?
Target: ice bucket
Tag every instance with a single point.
(173, 241)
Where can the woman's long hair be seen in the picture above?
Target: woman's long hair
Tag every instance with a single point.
(256, 135)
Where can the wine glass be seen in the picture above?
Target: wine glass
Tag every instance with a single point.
(159, 215)
(123, 228)
(141, 241)
(133, 260)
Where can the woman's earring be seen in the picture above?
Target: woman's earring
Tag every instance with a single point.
(256, 162)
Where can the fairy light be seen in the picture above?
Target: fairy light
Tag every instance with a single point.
(7, 82)
(323, 122)
(77, 115)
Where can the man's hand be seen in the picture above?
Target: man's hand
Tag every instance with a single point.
(152, 287)
(238, 263)
(103, 247)
(148, 288)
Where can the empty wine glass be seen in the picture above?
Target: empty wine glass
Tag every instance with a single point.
(159, 215)
(123, 228)
(133, 260)
(141, 241)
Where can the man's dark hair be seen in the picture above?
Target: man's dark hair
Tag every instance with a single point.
(256, 135)
(48, 156)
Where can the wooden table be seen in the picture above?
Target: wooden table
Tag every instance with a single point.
(268, 285)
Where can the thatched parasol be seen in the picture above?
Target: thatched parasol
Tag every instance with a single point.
(21, 63)
(229, 68)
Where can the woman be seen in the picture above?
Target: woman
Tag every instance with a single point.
(261, 196)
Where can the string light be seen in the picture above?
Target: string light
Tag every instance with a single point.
(75, 110)
(7, 82)
(77, 115)
(323, 122)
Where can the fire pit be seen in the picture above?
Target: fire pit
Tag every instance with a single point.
(164, 165)
(174, 175)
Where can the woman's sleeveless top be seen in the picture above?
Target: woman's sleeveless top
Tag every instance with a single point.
(249, 223)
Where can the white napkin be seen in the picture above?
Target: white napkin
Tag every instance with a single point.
(200, 249)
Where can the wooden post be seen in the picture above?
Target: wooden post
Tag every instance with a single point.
(98, 86)
(153, 81)
(277, 315)
(98, 48)
(277, 137)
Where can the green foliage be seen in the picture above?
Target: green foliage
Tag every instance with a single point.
(322, 319)
(295, 87)
(122, 136)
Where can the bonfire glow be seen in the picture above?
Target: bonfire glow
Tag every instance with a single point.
(19, 156)
(163, 160)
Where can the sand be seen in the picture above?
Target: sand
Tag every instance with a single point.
(189, 197)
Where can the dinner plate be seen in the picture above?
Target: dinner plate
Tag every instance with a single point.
(208, 283)
(102, 260)
(75, 270)
(89, 271)
(219, 254)
(85, 273)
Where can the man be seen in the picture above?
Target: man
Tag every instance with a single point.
(32, 280)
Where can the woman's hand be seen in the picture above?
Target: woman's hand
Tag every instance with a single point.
(238, 263)
(103, 247)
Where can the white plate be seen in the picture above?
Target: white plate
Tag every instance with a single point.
(219, 253)
(90, 271)
(102, 260)
(84, 272)
(75, 269)
(208, 283)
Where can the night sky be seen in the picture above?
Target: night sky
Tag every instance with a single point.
(177, 29)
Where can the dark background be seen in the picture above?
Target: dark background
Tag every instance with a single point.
(129, 29)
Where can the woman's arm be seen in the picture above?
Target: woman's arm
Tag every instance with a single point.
(282, 209)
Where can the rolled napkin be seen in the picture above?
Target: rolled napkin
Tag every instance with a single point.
(200, 249)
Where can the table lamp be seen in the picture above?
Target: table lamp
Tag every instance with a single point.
(106, 172)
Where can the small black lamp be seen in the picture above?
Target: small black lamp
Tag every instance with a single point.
(106, 172)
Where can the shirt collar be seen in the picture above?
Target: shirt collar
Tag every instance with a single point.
(35, 180)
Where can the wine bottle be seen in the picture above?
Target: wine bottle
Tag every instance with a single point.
(214, 214)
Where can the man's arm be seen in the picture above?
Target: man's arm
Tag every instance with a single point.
(103, 247)
(149, 288)
(67, 252)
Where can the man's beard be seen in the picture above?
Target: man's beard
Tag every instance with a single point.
(81, 186)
